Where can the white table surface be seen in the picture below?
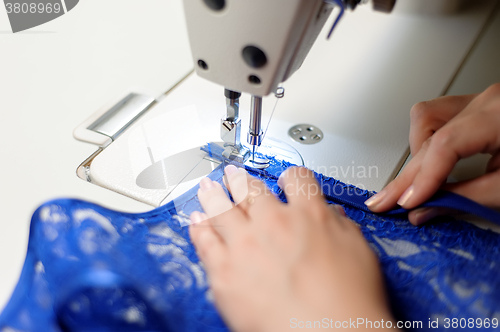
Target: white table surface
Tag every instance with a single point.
(52, 78)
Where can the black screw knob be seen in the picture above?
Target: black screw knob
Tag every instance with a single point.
(215, 4)
(385, 6)
(202, 64)
(254, 79)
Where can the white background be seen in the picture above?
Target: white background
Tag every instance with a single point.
(52, 78)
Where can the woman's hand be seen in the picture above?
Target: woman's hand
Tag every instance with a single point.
(443, 131)
(272, 265)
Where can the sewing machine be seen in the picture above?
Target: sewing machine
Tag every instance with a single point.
(252, 47)
(267, 43)
(354, 91)
(332, 119)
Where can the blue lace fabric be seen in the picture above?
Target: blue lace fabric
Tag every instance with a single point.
(92, 269)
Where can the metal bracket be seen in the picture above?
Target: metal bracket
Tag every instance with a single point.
(104, 126)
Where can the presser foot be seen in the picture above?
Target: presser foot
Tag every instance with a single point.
(243, 155)
(239, 154)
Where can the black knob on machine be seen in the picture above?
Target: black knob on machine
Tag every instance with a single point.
(384, 5)
(379, 5)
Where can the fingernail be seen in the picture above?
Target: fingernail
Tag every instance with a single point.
(230, 169)
(375, 199)
(206, 184)
(196, 217)
(424, 215)
(406, 196)
(280, 180)
(340, 210)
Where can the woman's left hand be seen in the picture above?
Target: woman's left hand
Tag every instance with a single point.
(273, 265)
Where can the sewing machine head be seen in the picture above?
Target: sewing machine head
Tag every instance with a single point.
(252, 47)
(323, 123)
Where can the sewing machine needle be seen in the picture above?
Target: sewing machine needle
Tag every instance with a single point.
(253, 153)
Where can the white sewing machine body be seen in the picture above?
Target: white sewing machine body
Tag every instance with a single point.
(267, 40)
(357, 88)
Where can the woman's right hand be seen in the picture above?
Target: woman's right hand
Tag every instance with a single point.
(443, 131)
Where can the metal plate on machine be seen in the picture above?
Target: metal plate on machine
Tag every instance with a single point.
(305, 134)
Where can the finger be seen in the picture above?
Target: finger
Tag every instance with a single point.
(480, 190)
(223, 216)
(483, 190)
(338, 209)
(249, 193)
(237, 184)
(213, 198)
(210, 247)
(471, 131)
(422, 215)
(450, 144)
(493, 163)
(340, 216)
(428, 117)
(386, 199)
(300, 187)
(196, 217)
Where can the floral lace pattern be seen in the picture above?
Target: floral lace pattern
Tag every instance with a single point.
(90, 268)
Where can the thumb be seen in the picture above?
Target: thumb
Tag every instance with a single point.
(482, 190)
(422, 215)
